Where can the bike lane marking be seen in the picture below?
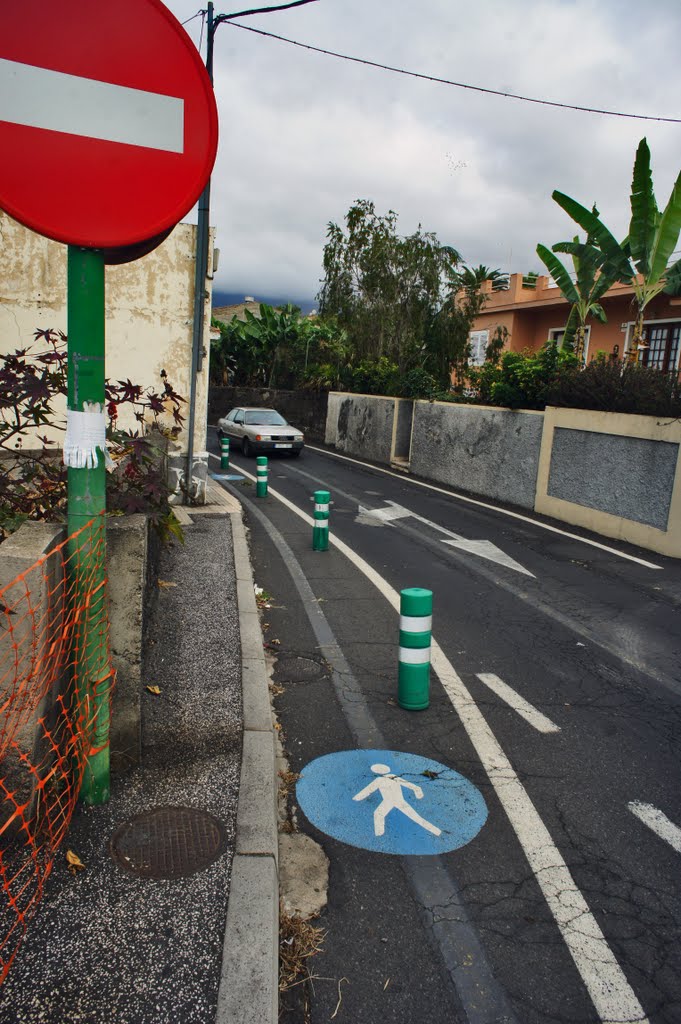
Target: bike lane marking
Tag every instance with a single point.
(614, 999)
(432, 886)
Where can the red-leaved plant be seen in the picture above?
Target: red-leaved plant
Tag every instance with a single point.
(33, 480)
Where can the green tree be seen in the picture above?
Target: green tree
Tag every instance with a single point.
(642, 259)
(476, 277)
(448, 345)
(384, 289)
(594, 274)
(279, 348)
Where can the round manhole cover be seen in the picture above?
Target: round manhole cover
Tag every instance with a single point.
(168, 842)
(297, 667)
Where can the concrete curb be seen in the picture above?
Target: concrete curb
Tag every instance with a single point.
(249, 981)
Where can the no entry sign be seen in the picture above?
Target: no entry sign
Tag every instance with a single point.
(108, 124)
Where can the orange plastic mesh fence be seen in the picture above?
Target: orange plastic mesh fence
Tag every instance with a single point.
(52, 682)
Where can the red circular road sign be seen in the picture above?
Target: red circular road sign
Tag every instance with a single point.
(108, 123)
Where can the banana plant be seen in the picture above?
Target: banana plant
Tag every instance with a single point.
(593, 276)
(642, 259)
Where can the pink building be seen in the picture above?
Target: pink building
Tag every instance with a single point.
(534, 312)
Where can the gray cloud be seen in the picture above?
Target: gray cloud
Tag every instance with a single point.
(304, 135)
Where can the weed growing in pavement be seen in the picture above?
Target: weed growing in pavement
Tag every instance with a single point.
(298, 942)
(262, 598)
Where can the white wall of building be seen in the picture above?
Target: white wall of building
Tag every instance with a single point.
(149, 310)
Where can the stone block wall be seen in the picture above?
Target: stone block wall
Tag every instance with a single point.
(484, 450)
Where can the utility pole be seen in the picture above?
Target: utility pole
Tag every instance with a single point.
(203, 237)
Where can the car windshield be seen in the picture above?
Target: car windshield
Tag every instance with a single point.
(265, 417)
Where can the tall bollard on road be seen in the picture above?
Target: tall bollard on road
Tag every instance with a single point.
(416, 624)
(261, 477)
(320, 530)
(224, 453)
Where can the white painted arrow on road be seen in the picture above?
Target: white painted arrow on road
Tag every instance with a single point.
(482, 548)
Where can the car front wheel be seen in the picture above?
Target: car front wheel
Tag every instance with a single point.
(246, 448)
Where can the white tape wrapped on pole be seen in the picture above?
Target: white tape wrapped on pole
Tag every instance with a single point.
(85, 437)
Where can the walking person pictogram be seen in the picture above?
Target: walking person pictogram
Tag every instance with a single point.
(391, 788)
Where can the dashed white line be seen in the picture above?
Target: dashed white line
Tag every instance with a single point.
(535, 718)
(658, 822)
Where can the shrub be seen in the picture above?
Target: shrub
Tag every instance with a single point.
(372, 377)
(612, 386)
(33, 481)
(418, 383)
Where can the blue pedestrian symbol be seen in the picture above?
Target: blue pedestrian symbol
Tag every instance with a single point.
(391, 802)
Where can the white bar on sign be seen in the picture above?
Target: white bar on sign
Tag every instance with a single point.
(41, 98)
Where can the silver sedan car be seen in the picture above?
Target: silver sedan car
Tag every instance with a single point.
(260, 430)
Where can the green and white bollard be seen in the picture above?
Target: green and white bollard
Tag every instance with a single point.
(224, 453)
(261, 477)
(416, 624)
(320, 530)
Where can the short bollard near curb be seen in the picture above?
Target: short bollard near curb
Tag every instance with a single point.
(261, 477)
(416, 624)
(320, 530)
(224, 453)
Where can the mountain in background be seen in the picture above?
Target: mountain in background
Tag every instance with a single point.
(221, 298)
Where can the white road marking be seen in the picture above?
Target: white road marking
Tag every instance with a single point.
(492, 508)
(514, 700)
(482, 548)
(53, 100)
(658, 822)
(385, 515)
(486, 549)
(610, 992)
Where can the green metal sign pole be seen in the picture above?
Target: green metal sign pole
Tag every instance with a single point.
(87, 502)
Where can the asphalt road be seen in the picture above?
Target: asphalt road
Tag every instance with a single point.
(566, 904)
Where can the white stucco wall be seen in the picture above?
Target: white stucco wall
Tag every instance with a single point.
(149, 310)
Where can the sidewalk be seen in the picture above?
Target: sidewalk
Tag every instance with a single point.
(109, 946)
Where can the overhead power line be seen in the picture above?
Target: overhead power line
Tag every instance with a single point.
(264, 10)
(457, 85)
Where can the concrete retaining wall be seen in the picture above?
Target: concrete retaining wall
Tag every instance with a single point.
(126, 555)
(127, 565)
(364, 425)
(32, 625)
(616, 474)
(485, 450)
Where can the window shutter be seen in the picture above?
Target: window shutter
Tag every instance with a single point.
(478, 342)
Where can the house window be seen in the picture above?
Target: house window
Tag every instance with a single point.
(478, 344)
(557, 334)
(663, 341)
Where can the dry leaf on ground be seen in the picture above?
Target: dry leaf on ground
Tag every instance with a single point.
(154, 689)
(74, 862)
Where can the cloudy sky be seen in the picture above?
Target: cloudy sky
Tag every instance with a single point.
(303, 135)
